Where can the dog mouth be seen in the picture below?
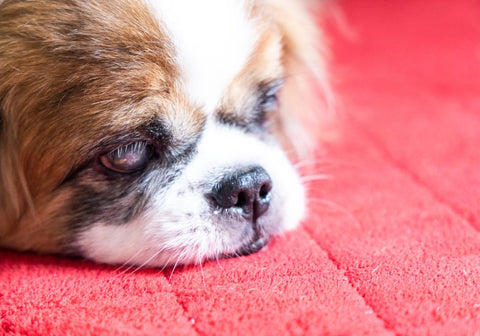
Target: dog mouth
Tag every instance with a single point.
(258, 242)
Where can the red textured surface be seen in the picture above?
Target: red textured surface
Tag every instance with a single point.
(391, 246)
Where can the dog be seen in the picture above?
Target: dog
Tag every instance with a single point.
(152, 132)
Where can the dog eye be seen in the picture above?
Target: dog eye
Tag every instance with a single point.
(129, 158)
(269, 99)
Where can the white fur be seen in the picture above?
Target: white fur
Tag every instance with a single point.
(179, 226)
(213, 40)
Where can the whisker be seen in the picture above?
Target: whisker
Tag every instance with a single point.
(139, 267)
(127, 262)
(326, 161)
(203, 275)
(148, 260)
(167, 263)
(122, 271)
(315, 177)
(218, 262)
(305, 163)
(180, 256)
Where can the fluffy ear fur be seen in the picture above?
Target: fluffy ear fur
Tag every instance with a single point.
(13, 189)
(306, 101)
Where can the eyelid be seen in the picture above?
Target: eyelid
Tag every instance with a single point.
(269, 91)
(128, 158)
(271, 86)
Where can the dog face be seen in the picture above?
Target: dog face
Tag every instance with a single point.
(143, 133)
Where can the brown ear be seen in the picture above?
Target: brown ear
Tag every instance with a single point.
(306, 101)
(13, 189)
(10, 200)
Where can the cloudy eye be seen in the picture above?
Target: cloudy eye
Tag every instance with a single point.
(129, 158)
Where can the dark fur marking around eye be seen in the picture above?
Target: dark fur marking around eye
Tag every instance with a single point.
(231, 119)
(157, 131)
(115, 198)
(152, 132)
(115, 201)
(167, 150)
(252, 114)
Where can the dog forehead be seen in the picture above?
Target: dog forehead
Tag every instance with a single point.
(213, 40)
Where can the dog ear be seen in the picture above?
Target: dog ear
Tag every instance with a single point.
(13, 189)
(306, 101)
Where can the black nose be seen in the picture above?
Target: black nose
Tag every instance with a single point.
(247, 192)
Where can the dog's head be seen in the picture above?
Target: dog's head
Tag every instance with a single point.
(146, 132)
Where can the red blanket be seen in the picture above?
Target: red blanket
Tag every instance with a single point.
(392, 243)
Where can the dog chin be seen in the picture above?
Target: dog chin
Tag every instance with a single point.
(188, 223)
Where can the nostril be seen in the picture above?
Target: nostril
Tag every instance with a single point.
(242, 199)
(263, 202)
(264, 192)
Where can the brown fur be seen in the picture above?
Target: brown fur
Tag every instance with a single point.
(307, 102)
(262, 66)
(53, 114)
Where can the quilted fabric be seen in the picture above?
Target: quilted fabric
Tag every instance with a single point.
(392, 242)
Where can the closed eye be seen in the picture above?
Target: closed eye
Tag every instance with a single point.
(267, 100)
